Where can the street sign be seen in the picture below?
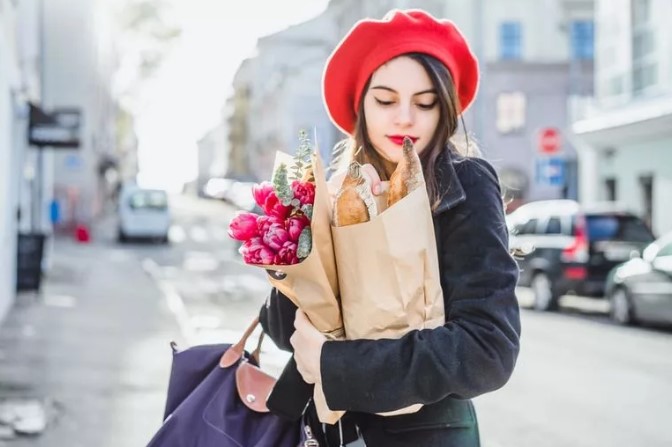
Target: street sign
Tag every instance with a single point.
(549, 140)
(550, 171)
(59, 128)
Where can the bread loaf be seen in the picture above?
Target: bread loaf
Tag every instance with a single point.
(407, 176)
(354, 201)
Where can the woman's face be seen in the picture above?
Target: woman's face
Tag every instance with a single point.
(401, 101)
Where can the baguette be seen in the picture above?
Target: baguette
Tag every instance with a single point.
(407, 176)
(354, 202)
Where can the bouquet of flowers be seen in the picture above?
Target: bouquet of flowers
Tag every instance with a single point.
(282, 234)
(292, 241)
(292, 238)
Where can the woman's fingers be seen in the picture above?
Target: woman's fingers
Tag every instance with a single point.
(378, 187)
(381, 187)
(306, 347)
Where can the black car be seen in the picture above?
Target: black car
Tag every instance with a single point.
(563, 247)
(640, 290)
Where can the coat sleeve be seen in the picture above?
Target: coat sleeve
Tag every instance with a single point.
(475, 351)
(277, 319)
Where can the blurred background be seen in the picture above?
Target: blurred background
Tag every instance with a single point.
(131, 131)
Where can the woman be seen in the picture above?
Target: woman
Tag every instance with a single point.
(412, 75)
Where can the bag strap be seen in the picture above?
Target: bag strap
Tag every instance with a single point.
(257, 351)
(235, 352)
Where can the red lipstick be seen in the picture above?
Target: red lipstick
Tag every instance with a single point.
(399, 139)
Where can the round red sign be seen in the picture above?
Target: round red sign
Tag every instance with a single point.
(549, 140)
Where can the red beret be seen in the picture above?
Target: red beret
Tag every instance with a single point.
(371, 43)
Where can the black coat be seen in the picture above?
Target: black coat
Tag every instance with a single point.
(473, 353)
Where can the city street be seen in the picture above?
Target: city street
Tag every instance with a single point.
(156, 117)
(580, 380)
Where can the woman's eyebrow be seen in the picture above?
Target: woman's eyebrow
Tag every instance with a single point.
(382, 87)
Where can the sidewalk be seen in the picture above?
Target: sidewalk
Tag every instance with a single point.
(92, 350)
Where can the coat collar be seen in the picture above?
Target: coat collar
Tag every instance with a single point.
(450, 188)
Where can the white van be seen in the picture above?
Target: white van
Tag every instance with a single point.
(143, 213)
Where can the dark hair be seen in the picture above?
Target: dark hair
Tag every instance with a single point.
(362, 150)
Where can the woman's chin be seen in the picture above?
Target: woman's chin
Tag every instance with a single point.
(393, 155)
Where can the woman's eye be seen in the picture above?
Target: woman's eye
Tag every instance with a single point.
(384, 103)
(427, 106)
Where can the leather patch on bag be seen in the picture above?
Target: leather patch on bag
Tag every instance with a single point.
(254, 386)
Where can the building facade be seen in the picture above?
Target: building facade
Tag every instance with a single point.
(238, 119)
(212, 160)
(534, 57)
(285, 95)
(78, 65)
(626, 132)
(10, 87)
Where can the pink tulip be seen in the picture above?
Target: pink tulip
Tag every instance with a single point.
(265, 222)
(243, 226)
(261, 191)
(265, 197)
(287, 254)
(304, 191)
(274, 207)
(254, 251)
(295, 226)
(275, 237)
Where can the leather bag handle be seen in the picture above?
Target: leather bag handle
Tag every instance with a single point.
(235, 352)
(252, 384)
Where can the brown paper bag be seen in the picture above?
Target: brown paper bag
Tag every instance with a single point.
(388, 273)
(312, 284)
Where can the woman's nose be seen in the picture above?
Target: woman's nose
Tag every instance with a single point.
(404, 115)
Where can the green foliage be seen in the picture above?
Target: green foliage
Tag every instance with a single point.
(302, 158)
(308, 211)
(305, 244)
(281, 185)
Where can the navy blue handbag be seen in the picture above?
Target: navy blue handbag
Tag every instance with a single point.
(217, 398)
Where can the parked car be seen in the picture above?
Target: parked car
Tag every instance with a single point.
(143, 213)
(640, 290)
(564, 247)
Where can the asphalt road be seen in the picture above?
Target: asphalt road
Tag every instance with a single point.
(580, 380)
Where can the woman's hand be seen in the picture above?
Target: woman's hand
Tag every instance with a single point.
(378, 187)
(307, 342)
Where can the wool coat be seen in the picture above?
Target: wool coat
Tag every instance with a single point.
(473, 353)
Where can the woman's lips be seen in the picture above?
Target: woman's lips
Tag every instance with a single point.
(399, 139)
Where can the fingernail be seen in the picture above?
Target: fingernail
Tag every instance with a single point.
(376, 189)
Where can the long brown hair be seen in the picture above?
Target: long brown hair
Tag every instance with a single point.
(360, 148)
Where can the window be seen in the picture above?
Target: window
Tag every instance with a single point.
(582, 39)
(644, 76)
(554, 226)
(643, 41)
(642, 44)
(511, 112)
(617, 228)
(148, 200)
(646, 187)
(529, 228)
(610, 189)
(665, 251)
(640, 11)
(510, 40)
